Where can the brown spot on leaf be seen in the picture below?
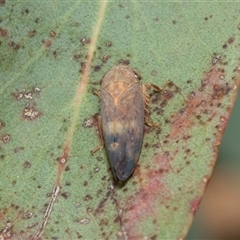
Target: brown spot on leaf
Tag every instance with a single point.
(83, 221)
(83, 65)
(168, 94)
(48, 43)
(32, 33)
(97, 68)
(2, 124)
(36, 20)
(6, 231)
(224, 46)
(13, 45)
(65, 195)
(187, 150)
(91, 122)
(3, 32)
(154, 73)
(88, 197)
(52, 33)
(30, 113)
(62, 160)
(27, 215)
(231, 40)
(77, 56)
(54, 53)
(108, 44)
(154, 237)
(23, 94)
(117, 219)
(6, 138)
(85, 40)
(146, 145)
(124, 61)
(216, 58)
(27, 164)
(105, 58)
(2, 3)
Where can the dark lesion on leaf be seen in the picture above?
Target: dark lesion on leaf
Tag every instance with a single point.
(6, 138)
(30, 113)
(91, 121)
(32, 33)
(13, 45)
(124, 61)
(2, 124)
(3, 32)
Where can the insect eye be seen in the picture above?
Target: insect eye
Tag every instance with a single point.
(137, 75)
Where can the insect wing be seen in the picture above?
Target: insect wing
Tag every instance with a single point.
(123, 125)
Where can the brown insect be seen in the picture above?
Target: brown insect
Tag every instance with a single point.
(124, 111)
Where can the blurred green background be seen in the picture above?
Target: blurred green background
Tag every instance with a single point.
(219, 214)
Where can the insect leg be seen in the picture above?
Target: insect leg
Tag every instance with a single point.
(178, 90)
(96, 92)
(147, 98)
(101, 136)
(168, 83)
(146, 108)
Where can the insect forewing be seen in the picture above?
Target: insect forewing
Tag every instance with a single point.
(122, 112)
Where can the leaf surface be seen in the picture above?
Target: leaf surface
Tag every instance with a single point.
(53, 53)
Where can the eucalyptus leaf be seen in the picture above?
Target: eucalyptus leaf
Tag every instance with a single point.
(53, 55)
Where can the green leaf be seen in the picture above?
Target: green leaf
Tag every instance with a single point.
(53, 53)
